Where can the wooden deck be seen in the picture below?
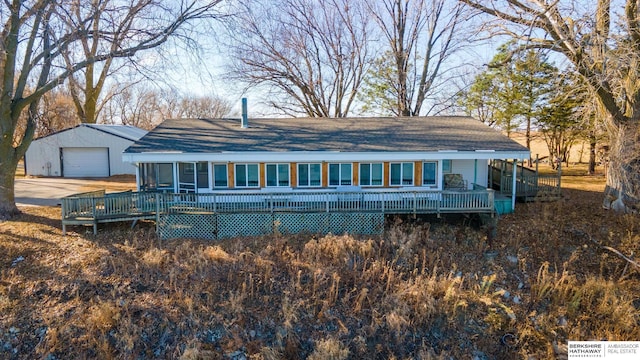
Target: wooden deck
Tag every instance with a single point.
(97, 207)
(530, 185)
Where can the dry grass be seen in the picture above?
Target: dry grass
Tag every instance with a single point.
(424, 291)
(113, 183)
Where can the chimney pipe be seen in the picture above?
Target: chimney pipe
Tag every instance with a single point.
(245, 117)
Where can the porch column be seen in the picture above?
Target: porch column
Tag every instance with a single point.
(138, 177)
(515, 183)
(175, 178)
(475, 172)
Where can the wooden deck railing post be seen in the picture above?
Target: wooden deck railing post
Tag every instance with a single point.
(64, 215)
(158, 210)
(326, 198)
(93, 212)
(415, 200)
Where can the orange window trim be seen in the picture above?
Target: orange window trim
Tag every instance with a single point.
(356, 173)
(231, 179)
(385, 174)
(417, 173)
(325, 174)
(293, 170)
(263, 181)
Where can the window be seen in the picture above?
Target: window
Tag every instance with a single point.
(309, 175)
(192, 174)
(401, 173)
(156, 176)
(339, 174)
(202, 175)
(165, 176)
(247, 175)
(371, 174)
(220, 176)
(277, 174)
(429, 173)
(446, 166)
(186, 178)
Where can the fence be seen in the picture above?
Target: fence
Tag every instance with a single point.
(219, 215)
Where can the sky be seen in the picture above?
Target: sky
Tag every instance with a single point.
(201, 73)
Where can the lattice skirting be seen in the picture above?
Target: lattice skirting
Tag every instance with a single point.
(220, 226)
(202, 226)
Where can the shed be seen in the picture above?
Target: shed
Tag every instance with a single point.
(86, 150)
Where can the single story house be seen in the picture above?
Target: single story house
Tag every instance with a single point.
(297, 155)
(86, 150)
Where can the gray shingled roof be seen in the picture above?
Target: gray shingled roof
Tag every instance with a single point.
(384, 134)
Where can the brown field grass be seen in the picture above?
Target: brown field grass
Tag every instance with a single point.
(579, 152)
(422, 290)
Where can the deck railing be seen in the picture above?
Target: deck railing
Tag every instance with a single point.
(529, 183)
(331, 201)
(534, 185)
(94, 208)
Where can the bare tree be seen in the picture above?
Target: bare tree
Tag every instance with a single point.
(145, 107)
(210, 106)
(86, 84)
(56, 112)
(135, 105)
(310, 55)
(607, 56)
(35, 35)
(421, 35)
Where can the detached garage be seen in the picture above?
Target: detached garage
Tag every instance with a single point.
(87, 150)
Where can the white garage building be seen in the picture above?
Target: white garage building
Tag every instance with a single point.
(87, 150)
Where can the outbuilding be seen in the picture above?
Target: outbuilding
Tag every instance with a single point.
(86, 150)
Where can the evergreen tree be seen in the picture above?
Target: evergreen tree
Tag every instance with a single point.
(512, 92)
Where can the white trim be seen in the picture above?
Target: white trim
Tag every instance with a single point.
(435, 184)
(308, 166)
(320, 156)
(213, 175)
(277, 165)
(235, 175)
(350, 164)
(370, 173)
(413, 173)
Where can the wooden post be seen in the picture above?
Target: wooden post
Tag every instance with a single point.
(157, 213)
(491, 166)
(64, 211)
(475, 172)
(514, 184)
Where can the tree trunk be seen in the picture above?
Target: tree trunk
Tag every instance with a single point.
(528, 138)
(8, 207)
(622, 192)
(592, 154)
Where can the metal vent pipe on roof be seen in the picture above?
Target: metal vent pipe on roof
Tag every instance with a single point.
(245, 116)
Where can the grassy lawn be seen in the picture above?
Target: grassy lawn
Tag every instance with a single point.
(422, 290)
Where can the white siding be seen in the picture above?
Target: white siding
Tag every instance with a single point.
(468, 169)
(43, 156)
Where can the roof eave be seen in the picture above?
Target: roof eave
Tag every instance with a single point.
(322, 156)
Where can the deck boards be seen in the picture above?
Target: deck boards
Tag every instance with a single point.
(92, 209)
